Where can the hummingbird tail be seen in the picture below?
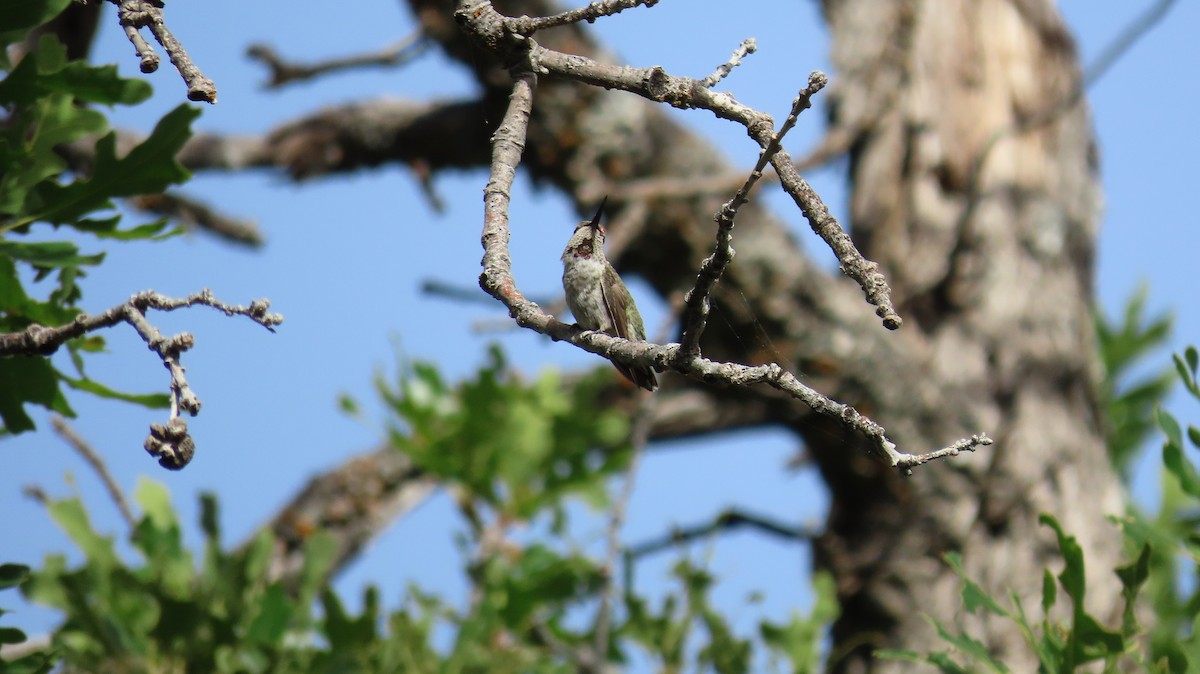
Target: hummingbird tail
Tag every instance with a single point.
(641, 375)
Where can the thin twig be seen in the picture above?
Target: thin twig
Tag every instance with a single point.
(471, 294)
(639, 436)
(1123, 42)
(696, 302)
(89, 454)
(725, 522)
(285, 72)
(137, 14)
(196, 215)
(748, 46)
(528, 25)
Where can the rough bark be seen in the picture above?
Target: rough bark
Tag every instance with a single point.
(982, 209)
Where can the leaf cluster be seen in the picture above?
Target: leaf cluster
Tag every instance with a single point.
(222, 611)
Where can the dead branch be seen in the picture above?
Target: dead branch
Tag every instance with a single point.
(137, 14)
(170, 443)
(507, 148)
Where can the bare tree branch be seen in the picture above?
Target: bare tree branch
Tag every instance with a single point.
(285, 72)
(352, 503)
(93, 459)
(196, 215)
(138, 14)
(696, 302)
(525, 25)
(655, 84)
(171, 442)
(507, 148)
(639, 435)
(438, 135)
(748, 46)
(727, 521)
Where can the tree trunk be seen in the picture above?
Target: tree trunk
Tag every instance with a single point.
(973, 172)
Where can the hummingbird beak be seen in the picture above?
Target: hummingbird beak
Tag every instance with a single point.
(599, 212)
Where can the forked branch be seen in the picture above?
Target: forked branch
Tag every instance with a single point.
(169, 442)
(137, 14)
(508, 144)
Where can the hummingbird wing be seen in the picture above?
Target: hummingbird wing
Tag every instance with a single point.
(627, 324)
(616, 303)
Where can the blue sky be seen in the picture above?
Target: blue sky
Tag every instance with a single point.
(346, 256)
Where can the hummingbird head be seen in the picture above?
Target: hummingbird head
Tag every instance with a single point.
(588, 239)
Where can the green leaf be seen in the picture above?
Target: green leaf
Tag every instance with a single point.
(271, 620)
(1187, 371)
(800, 639)
(17, 310)
(34, 663)
(970, 647)
(973, 596)
(155, 501)
(28, 379)
(1049, 591)
(1096, 641)
(150, 400)
(1072, 576)
(12, 575)
(10, 635)
(344, 632)
(107, 229)
(1169, 426)
(46, 74)
(148, 169)
(348, 405)
(71, 516)
(17, 16)
(49, 254)
(941, 660)
(96, 84)
(210, 521)
(1130, 404)
(320, 554)
(1178, 465)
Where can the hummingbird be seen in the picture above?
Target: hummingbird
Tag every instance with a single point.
(597, 296)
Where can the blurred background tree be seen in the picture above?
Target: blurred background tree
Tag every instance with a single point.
(972, 181)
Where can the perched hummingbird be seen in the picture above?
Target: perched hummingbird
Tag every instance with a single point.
(597, 296)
